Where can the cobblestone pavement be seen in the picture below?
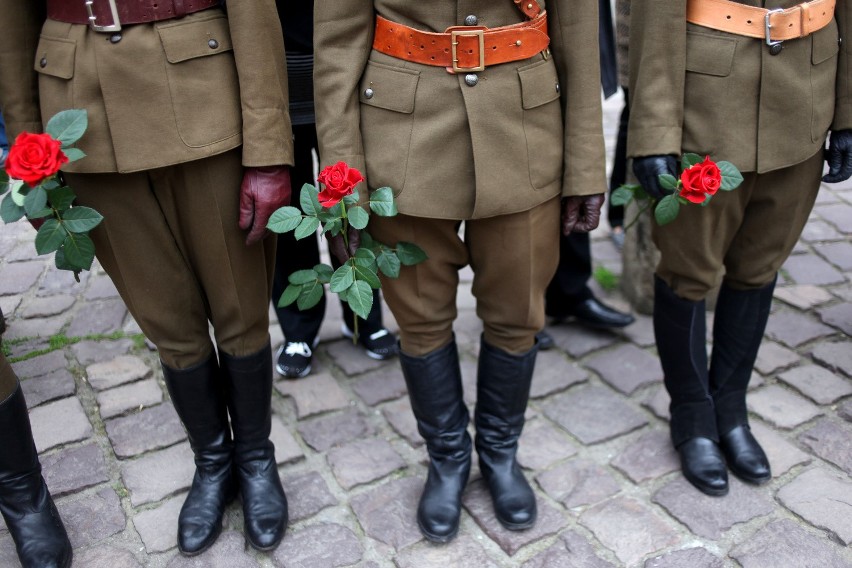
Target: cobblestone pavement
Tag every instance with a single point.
(595, 447)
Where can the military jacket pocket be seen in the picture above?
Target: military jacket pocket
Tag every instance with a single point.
(825, 49)
(202, 79)
(710, 54)
(54, 62)
(542, 122)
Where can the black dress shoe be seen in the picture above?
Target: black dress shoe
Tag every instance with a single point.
(596, 314)
(703, 466)
(745, 456)
(544, 340)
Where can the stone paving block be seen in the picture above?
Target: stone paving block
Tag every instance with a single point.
(845, 410)
(641, 332)
(572, 550)
(839, 254)
(822, 499)
(837, 214)
(101, 287)
(158, 527)
(8, 304)
(58, 423)
(287, 449)
(691, 557)
(352, 358)
(307, 495)
(832, 441)
(157, 475)
(462, 552)
(388, 512)
(626, 368)
(332, 430)
(658, 403)
(469, 374)
(385, 384)
(839, 316)
(772, 357)
(477, 501)
(48, 306)
(323, 545)
(8, 554)
(118, 371)
(151, 429)
(837, 356)
(817, 383)
(57, 281)
(784, 543)
(541, 445)
(73, 469)
(781, 407)
(229, 551)
(20, 277)
(579, 411)
(707, 516)
(554, 373)
(399, 415)
(811, 269)
(104, 316)
(88, 352)
(105, 557)
(793, 329)
(92, 518)
(45, 388)
(136, 395)
(363, 461)
(803, 296)
(319, 394)
(41, 365)
(782, 455)
(629, 528)
(577, 483)
(649, 457)
(818, 231)
(36, 327)
(578, 341)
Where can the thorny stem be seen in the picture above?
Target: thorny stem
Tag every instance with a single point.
(639, 214)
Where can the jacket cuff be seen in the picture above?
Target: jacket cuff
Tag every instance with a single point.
(654, 141)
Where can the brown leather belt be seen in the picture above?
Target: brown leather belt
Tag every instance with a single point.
(774, 26)
(463, 49)
(110, 15)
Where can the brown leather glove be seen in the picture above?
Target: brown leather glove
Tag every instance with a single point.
(581, 213)
(338, 248)
(263, 191)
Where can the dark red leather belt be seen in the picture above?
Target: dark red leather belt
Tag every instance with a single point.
(110, 15)
(462, 49)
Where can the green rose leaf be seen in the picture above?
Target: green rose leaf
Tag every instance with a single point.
(79, 251)
(324, 273)
(358, 218)
(389, 263)
(284, 219)
(409, 253)
(41, 213)
(290, 295)
(364, 257)
(74, 154)
(667, 209)
(68, 126)
(308, 200)
(81, 219)
(61, 262)
(329, 214)
(334, 227)
(668, 181)
(731, 176)
(352, 198)
(367, 241)
(342, 278)
(50, 237)
(19, 192)
(61, 198)
(5, 182)
(35, 200)
(689, 159)
(360, 298)
(50, 183)
(707, 198)
(307, 227)
(382, 203)
(368, 275)
(9, 210)
(302, 276)
(623, 195)
(310, 296)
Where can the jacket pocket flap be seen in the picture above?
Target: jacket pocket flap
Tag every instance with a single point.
(826, 44)
(390, 88)
(198, 38)
(709, 54)
(55, 57)
(539, 84)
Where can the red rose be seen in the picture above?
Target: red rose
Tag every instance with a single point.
(339, 181)
(34, 157)
(700, 180)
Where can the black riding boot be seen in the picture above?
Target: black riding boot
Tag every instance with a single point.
(740, 321)
(502, 392)
(199, 399)
(435, 391)
(25, 502)
(680, 330)
(249, 386)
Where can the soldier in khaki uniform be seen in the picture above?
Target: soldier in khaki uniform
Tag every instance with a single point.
(758, 84)
(494, 122)
(189, 133)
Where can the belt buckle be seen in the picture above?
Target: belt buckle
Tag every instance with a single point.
(768, 27)
(454, 35)
(116, 23)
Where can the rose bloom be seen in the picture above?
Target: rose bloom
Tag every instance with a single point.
(34, 157)
(700, 180)
(339, 181)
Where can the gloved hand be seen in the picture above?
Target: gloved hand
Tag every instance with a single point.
(581, 213)
(263, 191)
(839, 157)
(338, 248)
(648, 170)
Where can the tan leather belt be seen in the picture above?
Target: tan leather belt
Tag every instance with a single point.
(463, 49)
(772, 25)
(110, 15)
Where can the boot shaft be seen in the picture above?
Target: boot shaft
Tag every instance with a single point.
(18, 455)
(248, 383)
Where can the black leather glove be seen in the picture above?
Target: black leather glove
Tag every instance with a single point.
(839, 157)
(581, 213)
(338, 248)
(649, 168)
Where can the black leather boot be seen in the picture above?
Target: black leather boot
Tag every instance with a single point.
(198, 397)
(738, 327)
(680, 331)
(435, 391)
(249, 387)
(502, 392)
(25, 501)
